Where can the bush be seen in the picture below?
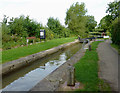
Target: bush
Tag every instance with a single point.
(49, 34)
(14, 42)
(116, 31)
(37, 40)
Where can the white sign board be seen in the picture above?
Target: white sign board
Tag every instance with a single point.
(106, 37)
(41, 33)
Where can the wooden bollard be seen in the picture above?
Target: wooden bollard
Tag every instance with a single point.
(71, 76)
(89, 47)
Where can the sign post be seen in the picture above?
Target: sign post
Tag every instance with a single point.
(42, 34)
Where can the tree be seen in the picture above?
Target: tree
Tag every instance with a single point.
(102, 24)
(5, 19)
(105, 23)
(17, 26)
(113, 9)
(55, 26)
(114, 21)
(5, 30)
(5, 33)
(91, 23)
(24, 26)
(113, 13)
(75, 19)
(116, 31)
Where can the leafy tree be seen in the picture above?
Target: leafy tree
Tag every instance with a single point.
(5, 33)
(75, 18)
(24, 26)
(113, 13)
(113, 9)
(17, 26)
(55, 26)
(17, 29)
(113, 22)
(102, 23)
(91, 23)
(5, 19)
(116, 31)
(49, 34)
(32, 27)
(105, 23)
(5, 30)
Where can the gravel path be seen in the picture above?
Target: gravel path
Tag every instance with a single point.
(108, 64)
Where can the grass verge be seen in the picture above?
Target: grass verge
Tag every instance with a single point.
(16, 53)
(86, 71)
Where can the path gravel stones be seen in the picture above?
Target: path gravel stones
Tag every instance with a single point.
(108, 64)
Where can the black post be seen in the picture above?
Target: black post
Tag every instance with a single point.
(89, 47)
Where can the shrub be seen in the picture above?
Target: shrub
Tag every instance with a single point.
(116, 31)
(49, 34)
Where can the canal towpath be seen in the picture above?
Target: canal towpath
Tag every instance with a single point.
(108, 64)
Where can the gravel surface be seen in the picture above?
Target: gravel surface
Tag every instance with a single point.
(108, 64)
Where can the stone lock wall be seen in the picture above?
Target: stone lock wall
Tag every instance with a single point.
(15, 64)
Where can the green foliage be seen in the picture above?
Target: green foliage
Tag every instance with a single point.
(117, 47)
(14, 42)
(58, 30)
(0, 35)
(116, 31)
(105, 22)
(113, 9)
(111, 22)
(91, 23)
(5, 19)
(49, 34)
(5, 33)
(54, 25)
(16, 30)
(16, 53)
(24, 26)
(96, 32)
(75, 19)
(17, 27)
(99, 30)
(66, 32)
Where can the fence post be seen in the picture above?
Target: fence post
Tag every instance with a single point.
(89, 47)
(71, 76)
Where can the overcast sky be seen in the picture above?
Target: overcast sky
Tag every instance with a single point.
(41, 10)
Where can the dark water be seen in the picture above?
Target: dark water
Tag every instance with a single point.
(27, 77)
